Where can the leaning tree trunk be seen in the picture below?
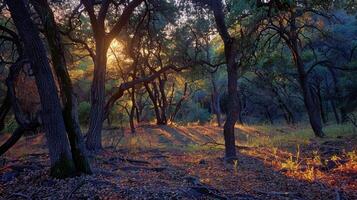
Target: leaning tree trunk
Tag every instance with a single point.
(310, 97)
(70, 114)
(62, 164)
(94, 135)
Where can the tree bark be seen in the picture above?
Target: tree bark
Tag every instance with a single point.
(322, 111)
(231, 56)
(62, 164)
(215, 101)
(102, 42)
(70, 114)
(132, 111)
(310, 98)
(96, 117)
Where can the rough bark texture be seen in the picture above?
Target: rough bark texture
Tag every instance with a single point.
(96, 116)
(70, 114)
(94, 135)
(59, 150)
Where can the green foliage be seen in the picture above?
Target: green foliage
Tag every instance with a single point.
(193, 112)
(83, 112)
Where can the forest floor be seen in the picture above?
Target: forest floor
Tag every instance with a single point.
(185, 162)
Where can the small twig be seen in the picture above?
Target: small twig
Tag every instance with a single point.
(75, 189)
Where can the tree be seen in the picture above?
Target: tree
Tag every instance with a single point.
(231, 53)
(102, 41)
(62, 164)
(70, 113)
(289, 26)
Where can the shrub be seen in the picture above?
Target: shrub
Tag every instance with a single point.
(193, 112)
(83, 112)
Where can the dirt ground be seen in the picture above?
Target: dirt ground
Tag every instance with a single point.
(186, 162)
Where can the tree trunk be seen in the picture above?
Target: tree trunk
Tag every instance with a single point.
(322, 111)
(310, 99)
(132, 111)
(179, 103)
(153, 97)
(215, 101)
(62, 164)
(268, 115)
(94, 135)
(163, 100)
(337, 117)
(70, 114)
(230, 51)
(344, 117)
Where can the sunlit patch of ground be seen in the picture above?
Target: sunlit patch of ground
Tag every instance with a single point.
(276, 163)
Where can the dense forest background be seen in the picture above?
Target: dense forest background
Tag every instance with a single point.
(92, 72)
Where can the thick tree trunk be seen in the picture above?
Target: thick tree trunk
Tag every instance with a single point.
(70, 114)
(233, 108)
(94, 135)
(62, 164)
